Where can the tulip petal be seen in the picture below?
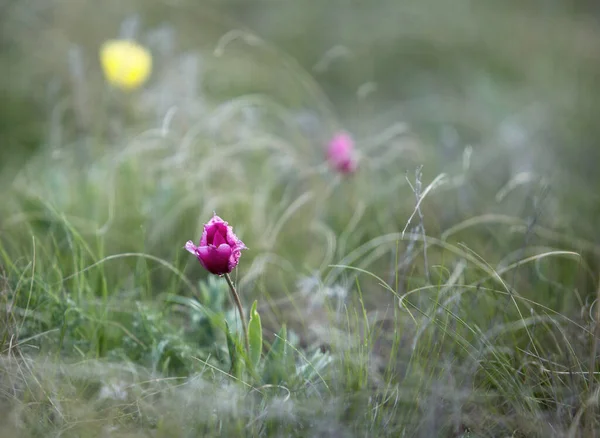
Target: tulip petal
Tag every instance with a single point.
(214, 226)
(224, 250)
(218, 239)
(215, 259)
(190, 247)
(234, 259)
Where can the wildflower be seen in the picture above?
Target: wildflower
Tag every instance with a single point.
(341, 154)
(126, 64)
(220, 249)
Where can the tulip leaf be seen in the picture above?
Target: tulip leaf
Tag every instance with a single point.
(255, 336)
(279, 363)
(234, 353)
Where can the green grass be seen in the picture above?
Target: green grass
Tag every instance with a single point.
(456, 302)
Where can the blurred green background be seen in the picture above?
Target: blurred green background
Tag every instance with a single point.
(517, 81)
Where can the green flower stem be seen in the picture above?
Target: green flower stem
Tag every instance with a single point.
(238, 303)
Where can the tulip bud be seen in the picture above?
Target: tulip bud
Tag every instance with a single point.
(341, 154)
(220, 249)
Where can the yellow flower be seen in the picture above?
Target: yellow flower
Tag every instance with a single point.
(126, 64)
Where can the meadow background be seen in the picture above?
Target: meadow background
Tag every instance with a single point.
(447, 288)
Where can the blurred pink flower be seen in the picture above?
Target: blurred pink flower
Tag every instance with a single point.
(341, 154)
(220, 249)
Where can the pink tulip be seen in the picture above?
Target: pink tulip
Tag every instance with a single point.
(340, 153)
(220, 249)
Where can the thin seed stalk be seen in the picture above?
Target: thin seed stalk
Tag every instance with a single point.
(591, 410)
(238, 303)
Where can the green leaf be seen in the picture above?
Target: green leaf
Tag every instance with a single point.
(234, 353)
(279, 363)
(255, 336)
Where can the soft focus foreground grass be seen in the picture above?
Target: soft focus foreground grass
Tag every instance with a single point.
(482, 324)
